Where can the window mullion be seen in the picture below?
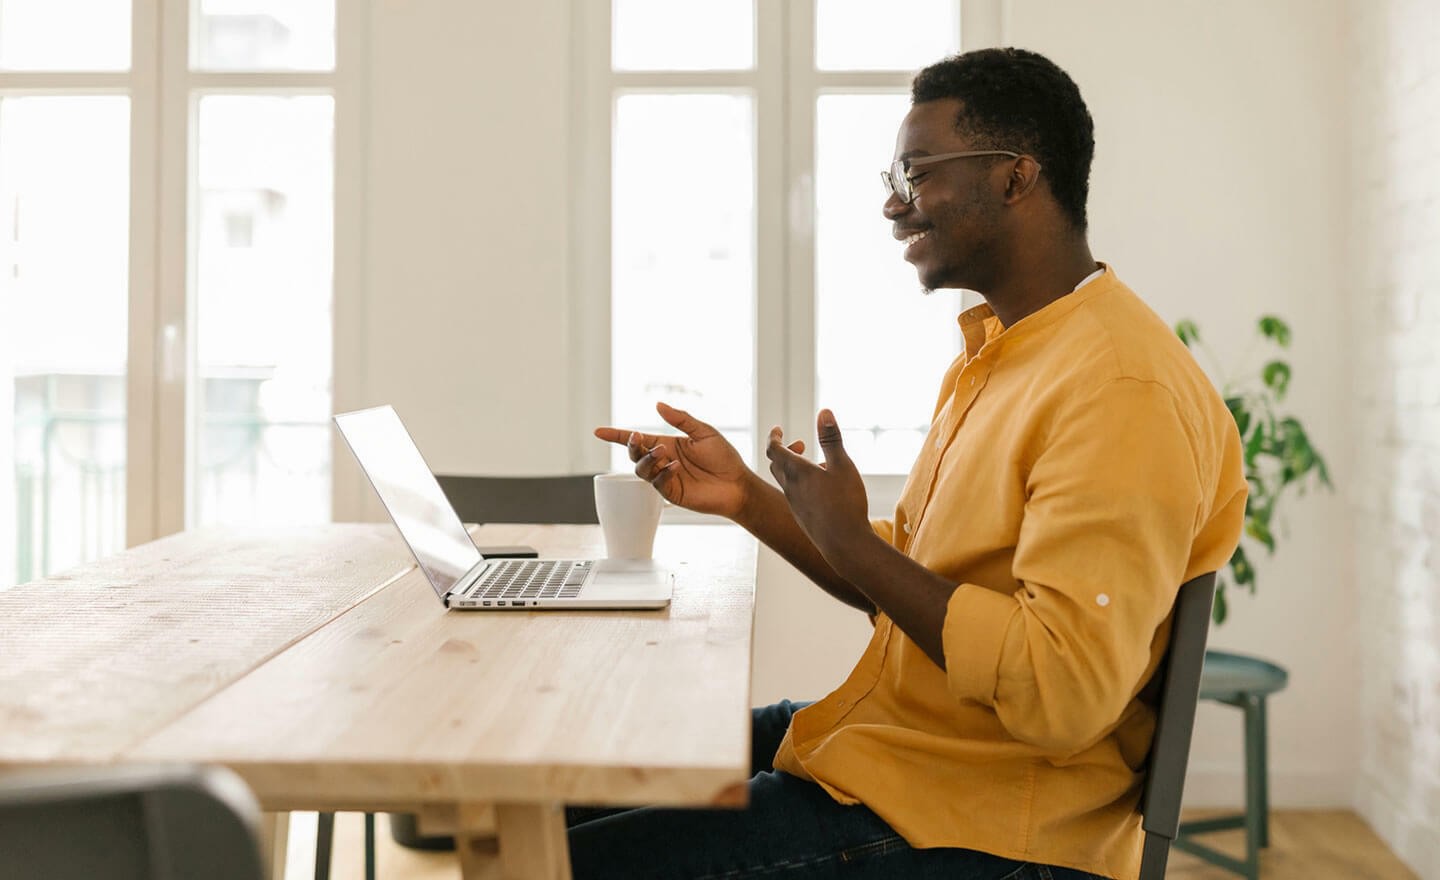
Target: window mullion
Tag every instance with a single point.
(349, 488)
(173, 345)
(774, 184)
(983, 24)
(799, 413)
(142, 459)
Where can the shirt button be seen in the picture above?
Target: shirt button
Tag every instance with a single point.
(939, 441)
(906, 527)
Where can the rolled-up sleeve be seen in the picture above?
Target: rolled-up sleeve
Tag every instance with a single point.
(1113, 501)
(885, 528)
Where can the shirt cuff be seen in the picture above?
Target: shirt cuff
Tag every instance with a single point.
(977, 622)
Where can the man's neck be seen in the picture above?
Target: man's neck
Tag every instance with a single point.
(1033, 285)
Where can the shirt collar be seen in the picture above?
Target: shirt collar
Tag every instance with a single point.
(979, 325)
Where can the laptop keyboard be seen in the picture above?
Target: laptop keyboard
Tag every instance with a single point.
(512, 579)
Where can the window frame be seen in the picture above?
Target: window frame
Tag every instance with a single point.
(161, 366)
(784, 85)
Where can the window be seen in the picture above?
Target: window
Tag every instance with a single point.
(749, 274)
(166, 262)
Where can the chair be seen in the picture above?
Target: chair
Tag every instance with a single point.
(123, 822)
(1243, 682)
(1179, 695)
(562, 499)
(568, 498)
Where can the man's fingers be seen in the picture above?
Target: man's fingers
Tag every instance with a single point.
(663, 477)
(622, 436)
(634, 447)
(831, 443)
(679, 418)
(776, 449)
(649, 465)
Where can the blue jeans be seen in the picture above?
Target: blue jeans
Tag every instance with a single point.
(791, 830)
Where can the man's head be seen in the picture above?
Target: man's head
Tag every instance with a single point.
(975, 211)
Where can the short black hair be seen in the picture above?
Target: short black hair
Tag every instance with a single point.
(1015, 99)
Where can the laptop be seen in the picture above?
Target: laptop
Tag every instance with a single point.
(462, 577)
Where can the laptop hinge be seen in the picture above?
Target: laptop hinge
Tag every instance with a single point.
(467, 580)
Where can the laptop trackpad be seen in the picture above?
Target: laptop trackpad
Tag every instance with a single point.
(629, 573)
(636, 571)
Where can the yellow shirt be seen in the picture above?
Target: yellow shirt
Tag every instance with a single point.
(1080, 467)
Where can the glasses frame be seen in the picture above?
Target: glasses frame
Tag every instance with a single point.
(897, 179)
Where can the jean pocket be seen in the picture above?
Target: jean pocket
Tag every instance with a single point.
(874, 848)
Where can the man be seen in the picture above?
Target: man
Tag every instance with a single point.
(1080, 467)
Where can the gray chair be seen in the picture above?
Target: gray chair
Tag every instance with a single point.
(568, 498)
(129, 823)
(1175, 722)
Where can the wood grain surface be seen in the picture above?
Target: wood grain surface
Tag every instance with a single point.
(94, 660)
(399, 703)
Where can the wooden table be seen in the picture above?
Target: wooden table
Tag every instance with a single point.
(318, 664)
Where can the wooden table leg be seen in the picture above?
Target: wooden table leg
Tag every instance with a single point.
(274, 843)
(533, 843)
(473, 826)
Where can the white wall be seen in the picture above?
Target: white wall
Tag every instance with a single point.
(1394, 327)
(463, 280)
(1217, 194)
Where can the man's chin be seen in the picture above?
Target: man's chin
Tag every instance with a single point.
(931, 282)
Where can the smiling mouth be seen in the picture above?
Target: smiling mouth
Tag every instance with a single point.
(916, 237)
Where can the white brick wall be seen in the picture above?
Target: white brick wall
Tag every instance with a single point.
(1394, 497)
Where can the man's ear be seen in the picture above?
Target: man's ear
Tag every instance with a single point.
(1024, 176)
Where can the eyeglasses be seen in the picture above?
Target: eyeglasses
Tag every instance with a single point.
(897, 179)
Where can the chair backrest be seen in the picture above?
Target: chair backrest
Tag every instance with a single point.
(117, 823)
(569, 498)
(1170, 751)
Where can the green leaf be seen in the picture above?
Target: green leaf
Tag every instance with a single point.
(1253, 444)
(1187, 331)
(1258, 527)
(1218, 610)
(1272, 327)
(1241, 570)
(1240, 412)
(1276, 376)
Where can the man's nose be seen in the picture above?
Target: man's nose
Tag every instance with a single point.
(894, 208)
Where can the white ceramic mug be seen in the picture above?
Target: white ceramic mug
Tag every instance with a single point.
(629, 512)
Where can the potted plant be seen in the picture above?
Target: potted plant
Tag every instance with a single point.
(1278, 453)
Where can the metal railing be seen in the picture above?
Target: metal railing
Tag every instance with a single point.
(70, 502)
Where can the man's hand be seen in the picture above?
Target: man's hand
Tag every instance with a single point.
(700, 471)
(828, 499)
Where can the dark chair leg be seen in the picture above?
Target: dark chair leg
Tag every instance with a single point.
(1255, 783)
(324, 839)
(404, 830)
(1263, 748)
(369, 846)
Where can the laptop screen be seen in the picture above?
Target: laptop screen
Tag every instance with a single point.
(410, 493)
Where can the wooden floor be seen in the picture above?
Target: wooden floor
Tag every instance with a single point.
(1305, 845)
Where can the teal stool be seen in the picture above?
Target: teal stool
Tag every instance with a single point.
(1243, 682)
